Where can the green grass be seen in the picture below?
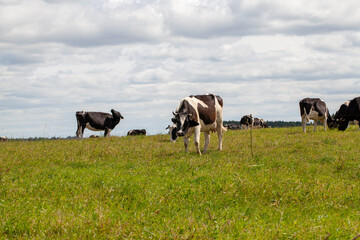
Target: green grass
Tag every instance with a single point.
(296, 186)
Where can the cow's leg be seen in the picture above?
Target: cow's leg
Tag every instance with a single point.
(79, 131)
(82, 131)
(315, 124)
(107, 132)
(303, 123)
(197, 139)
(207, 141)
(220, 133)
(186, 144)
(325, 121)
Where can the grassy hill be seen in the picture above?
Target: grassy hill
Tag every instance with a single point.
(296, 186)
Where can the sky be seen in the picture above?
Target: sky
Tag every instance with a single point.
(142, 57)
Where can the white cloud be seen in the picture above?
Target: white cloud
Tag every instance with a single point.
(142, 57)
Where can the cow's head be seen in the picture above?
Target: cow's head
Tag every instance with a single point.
(172, 132)
(343, 124)
(332, 122)
(116, 114)
(183, 122)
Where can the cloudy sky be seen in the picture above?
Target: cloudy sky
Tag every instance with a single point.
(141, 57)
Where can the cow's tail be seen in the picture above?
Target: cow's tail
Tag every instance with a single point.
(306, 115)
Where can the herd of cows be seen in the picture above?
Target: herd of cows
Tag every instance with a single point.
(316, 109)
(204, 113)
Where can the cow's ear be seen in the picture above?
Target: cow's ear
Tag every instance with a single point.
(193, 123)
(173, 120)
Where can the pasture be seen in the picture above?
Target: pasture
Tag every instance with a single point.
(296, 186)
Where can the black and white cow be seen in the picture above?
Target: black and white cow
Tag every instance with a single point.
(135, 132)
(248, 121)
(349, 111)
(260, 123)
(200, 113)
(232, 126)
(97, 121)
(314, 109)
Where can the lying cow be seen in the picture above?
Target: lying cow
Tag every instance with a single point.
(349, 111)
(260, 123)
(97, 121)
(135, 132)
(314, 109)
(200, 113)
(248, 121)
(232, 126)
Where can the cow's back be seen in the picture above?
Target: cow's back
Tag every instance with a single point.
(206, 108)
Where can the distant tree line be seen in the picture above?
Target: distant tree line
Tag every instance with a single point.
(273, 124)
(277, 124)
(41, 138)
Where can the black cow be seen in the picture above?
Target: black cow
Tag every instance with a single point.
(200, 113)
(349, 111)
(97, 121)
(314, 109)
(135, 132)
(247, 120)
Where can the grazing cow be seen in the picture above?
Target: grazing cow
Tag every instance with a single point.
(97, 121)
(200, 113)
(247, 121)
(349, 111)
(314, 109)
(94, 136)
(135, 132)
(3, 139)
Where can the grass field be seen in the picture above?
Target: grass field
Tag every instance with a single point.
(296, 186)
